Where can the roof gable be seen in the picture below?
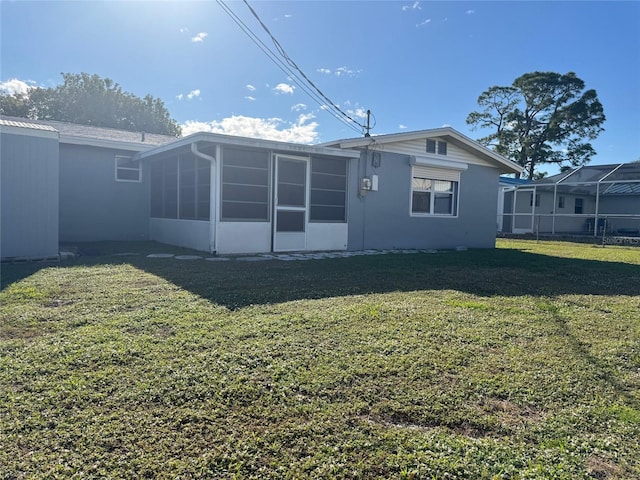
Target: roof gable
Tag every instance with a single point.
(398, 142)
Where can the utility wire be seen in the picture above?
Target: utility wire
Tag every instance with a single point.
(319, 98)
(294, 65)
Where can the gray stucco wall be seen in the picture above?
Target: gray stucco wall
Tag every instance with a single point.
(28, 196)
(382, 219)
(93, 205)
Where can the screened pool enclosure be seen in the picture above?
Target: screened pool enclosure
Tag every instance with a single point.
(590, 200)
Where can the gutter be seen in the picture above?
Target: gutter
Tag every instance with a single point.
(212, 195)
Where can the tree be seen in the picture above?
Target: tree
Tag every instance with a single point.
(91, 100)
(543, 117)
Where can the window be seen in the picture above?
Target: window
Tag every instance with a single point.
(431, 195)
(180, 188)
(328, 190)
(245, 185)
(578, 206)
(560, 201)
(127, 170)
(434, 146)
(537, 200)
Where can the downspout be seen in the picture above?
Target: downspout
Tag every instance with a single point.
(212, 195)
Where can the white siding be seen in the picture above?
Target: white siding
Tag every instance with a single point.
(243, 237)
(418, 148)
(184, 233)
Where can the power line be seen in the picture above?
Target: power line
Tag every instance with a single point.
(294, 65)
(313, 92)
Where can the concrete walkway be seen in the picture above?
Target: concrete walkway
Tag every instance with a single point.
(288, 257)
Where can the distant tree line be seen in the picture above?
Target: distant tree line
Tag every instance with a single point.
(91, 100)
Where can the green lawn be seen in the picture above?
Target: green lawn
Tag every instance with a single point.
(519, 362)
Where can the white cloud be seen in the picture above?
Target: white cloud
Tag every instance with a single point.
(339, 72)
(301, 131)
(15, 86)
(199, 38)
(184, 30)
(470, 12)
(358, 112)
(250, 87)
(189, 96)
(284, 88)
(288, 15)
(344, 71)
(414, 6)
(298, 107)
(250, 98)
(423, 23)
(402, 127)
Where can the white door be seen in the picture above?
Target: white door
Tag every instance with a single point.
(290, 204)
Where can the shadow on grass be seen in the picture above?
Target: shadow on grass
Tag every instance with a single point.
(499, 272)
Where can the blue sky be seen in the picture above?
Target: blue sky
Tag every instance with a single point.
(415, 65)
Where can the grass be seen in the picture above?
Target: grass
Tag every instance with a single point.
(521, 362)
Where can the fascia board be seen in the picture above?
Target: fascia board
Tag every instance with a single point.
(248, 142)
(95, 142)
(30, 132)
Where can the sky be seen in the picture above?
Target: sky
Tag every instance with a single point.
(414, 64)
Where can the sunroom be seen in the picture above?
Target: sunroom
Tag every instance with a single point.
(226, 194)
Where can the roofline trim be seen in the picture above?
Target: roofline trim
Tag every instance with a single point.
(98, 142)
(246, 142)
(435, 132)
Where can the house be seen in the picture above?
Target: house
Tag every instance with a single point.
(432, 189)
(589, 200)
(227, 194)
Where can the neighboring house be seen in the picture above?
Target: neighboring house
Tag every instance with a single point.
(589, 200)
(227, 194)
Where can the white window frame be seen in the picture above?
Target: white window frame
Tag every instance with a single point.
(439, 147)
(435, 174)
(119, 168)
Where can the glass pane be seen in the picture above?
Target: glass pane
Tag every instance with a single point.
(245, 176)
(124, 174)
(421, 202)
(328, 182)
(244, 211)
(442, 186)
(327, 197)
(245, 193)
(443, 204)
(245, 158)
(290, 221)
(292, 183)
(291, 195)
(421, 184)
(431, 146)
(292, 172)
(329, 165)
(327, 213)
(126, 162)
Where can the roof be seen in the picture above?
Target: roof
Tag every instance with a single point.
(514, 181)
(72, 133)
(22, 126)
(448, 133)
(611, 179)
(220, 139)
